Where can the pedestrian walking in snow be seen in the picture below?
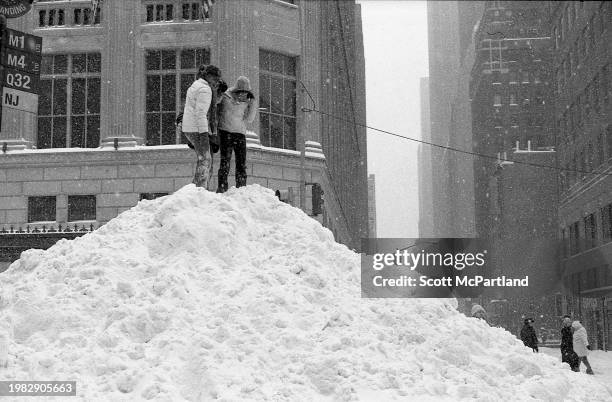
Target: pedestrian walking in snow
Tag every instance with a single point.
(567, 345)
(237, 108)
(195, 124)
(479, 312)
(528, 335)
(581, 345)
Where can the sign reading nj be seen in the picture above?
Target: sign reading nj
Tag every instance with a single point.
(20, 60)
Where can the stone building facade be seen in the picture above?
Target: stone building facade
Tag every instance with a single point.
(582, 67)
(112, 84)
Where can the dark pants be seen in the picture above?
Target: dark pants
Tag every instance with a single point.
(232, 142)
(203, 170)
(571, 358)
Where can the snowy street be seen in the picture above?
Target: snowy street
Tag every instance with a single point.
(305, 200)
(600, 361)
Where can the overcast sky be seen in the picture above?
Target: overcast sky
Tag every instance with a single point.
(395, 44)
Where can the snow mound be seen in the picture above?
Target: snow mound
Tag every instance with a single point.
(199, 296)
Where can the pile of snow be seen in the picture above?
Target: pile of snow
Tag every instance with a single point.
(199, 296)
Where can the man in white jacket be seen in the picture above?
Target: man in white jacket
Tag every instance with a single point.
(195, 122)
(581, 345)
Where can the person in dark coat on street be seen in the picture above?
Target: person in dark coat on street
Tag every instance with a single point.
(528, 335)
(567, 345)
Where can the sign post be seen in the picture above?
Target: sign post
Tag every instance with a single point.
(20, 58)
(20, 70)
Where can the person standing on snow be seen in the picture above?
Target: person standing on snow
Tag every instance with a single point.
(528, 335)
(195, 123)
(479, 312)
(222, 87)
(213, 116)
(581, 345)
(567, 345)
(237, 108)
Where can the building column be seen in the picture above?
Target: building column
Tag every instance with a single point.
(310, 75)
(19, 128)
(118, 114)
(235, 52)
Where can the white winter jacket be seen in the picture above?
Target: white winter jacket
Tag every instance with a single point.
(234, 115)
(580, 339)
(197, 102)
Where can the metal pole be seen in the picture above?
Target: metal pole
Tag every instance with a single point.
(302, 135)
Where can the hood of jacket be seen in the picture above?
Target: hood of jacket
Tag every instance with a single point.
(477, 308)
(576, 325)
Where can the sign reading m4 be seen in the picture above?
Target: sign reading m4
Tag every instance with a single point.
(21, 61)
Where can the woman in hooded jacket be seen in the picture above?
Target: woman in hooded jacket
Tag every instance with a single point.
(581, 345)
(237, 108)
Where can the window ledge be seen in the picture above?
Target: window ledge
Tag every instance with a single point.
(40, 223)
(175, 23)
(86, 223)
(284, 3)
(589, 250)
(62, 29)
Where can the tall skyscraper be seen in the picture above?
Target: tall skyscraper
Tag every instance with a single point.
(451, 57)
(510, 90)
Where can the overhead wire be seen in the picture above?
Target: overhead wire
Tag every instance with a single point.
(476, 154)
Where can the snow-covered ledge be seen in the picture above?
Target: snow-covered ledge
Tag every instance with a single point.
(315, 149)
(117, 139)
(14, 145)
(252, 140)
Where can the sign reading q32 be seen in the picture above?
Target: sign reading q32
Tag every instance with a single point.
(20, 80)
(14, 8)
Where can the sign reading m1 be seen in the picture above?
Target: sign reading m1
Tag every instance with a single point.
(22, 41)
(16, 99)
